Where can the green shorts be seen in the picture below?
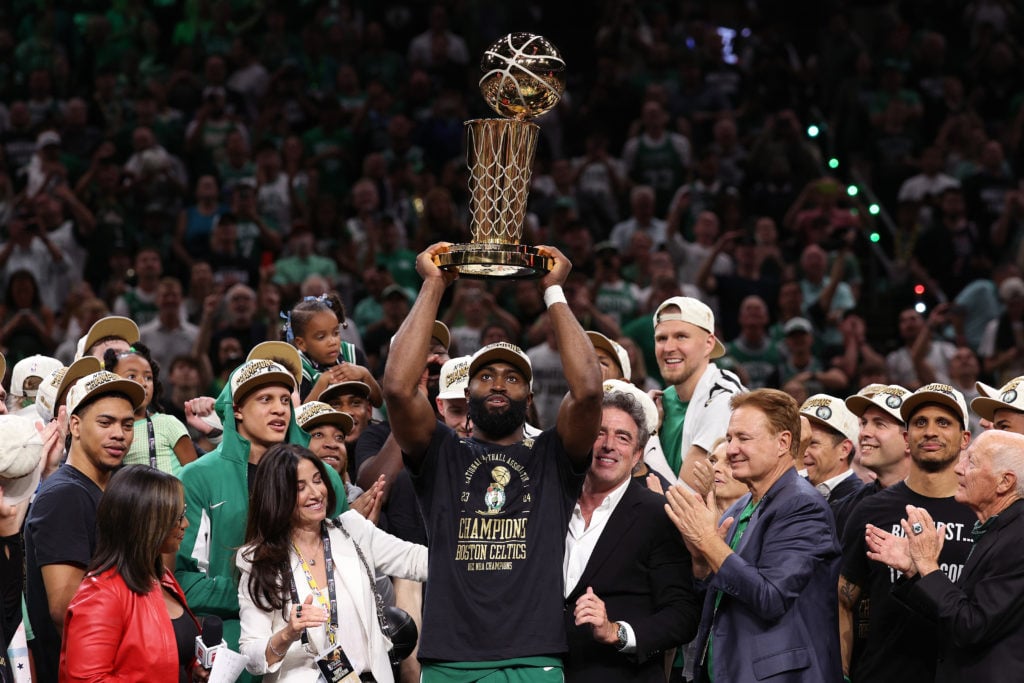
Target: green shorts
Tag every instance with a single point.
(518, 670)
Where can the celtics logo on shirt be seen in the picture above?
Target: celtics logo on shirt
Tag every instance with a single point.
(496, 502)
(495, 496)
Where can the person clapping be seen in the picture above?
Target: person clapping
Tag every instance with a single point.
(306, 578)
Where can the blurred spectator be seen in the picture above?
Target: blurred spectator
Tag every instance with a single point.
(549, 383)
(168, 334)
(440, 221)
(369, 310)
(249, 77)
(30, 248)
(157, 178)
(801, 366)
(239, 323)
(642, 218)
(45, 169)
(195, 223)
(275, 195)
(428, 48)
(691, 256)
(231, 266)
(753, 349)
(600, 181)
(730, 153)
(612, 294)
(392, 255)
(984, 190)
(919, 347)
(236, 164)
(18, 139)
(69, 233)
(657, 157)
(256, 236)
(825, 297)
(1002, 344)
(964, 370)
(300, 263)
(952, 249)
(206, 138)
(26, 323)
(394, 302)
(781, 151)
(140, 301)
(930, 182)
(731, 289)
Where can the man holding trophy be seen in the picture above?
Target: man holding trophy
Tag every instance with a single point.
(497, 504)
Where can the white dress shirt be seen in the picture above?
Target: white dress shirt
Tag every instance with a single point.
(581, 540)
(826, 487)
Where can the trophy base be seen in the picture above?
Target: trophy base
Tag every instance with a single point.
(486, 260)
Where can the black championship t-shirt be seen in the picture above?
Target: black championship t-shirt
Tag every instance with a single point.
(496, 520)
(60, 529)
(894, 643)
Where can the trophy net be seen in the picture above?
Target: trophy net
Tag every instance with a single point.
(500, 156)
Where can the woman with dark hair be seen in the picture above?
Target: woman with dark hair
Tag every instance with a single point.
(129, 619)
(160, 440)
(26, 324)
(306, 578)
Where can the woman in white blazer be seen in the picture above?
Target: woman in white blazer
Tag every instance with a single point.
(290, 615)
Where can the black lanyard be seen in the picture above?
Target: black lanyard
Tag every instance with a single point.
(152, 443)
(332, 627)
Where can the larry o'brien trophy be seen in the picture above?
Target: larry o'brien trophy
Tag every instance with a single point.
(523, 78)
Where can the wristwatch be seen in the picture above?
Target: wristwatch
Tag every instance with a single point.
(623, 637)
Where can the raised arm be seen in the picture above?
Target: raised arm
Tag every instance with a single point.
(409, 411)
(579, 416)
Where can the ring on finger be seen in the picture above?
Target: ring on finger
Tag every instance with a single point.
(917, 528)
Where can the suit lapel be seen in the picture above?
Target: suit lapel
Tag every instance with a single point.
(619, 524)
(988, 541)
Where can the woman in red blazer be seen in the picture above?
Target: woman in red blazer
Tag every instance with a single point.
(129, 620)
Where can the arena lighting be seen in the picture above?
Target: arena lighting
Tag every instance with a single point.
(833, 163)
(852, 190)
(920, 307)
(919, 289)
(813, 131)
(873, 209)
(874, 237)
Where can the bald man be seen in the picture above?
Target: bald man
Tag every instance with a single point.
(981, 615)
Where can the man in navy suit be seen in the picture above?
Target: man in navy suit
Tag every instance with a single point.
(834, 434)
(629, 590)
(770, 569)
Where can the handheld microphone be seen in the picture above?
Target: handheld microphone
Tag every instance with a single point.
(210, 641)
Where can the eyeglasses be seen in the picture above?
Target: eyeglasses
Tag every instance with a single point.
(181, 517)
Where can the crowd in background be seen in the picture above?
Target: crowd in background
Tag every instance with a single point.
(834, 184)
(850, 164)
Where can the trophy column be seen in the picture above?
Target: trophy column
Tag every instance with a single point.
(500, 158)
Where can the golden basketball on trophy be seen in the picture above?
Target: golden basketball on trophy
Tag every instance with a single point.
(524, 76)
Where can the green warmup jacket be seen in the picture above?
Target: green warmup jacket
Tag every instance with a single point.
(217, 500)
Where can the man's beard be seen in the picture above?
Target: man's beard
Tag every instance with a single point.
(497, 424)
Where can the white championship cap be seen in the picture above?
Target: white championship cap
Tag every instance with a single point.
(693, 311)
(939, 393)
(831, 412)
(454, 377)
